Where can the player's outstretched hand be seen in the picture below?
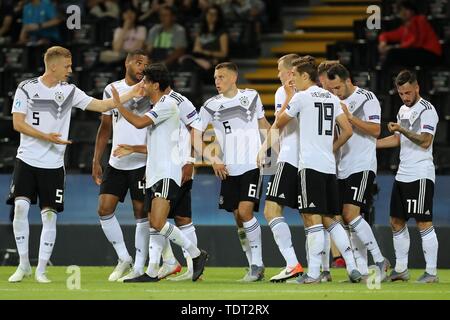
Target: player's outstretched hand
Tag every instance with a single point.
(97, 173)
(122, 150)
(116, 96)
(220, 170)
(393, 127)
(55, 138)
(138, 89)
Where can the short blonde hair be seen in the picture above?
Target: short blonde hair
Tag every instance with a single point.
(288, 59)
(55, 52)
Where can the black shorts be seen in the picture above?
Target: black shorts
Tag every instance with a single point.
(245, 187)
(413, 200)
(317, 193)
(182, 205)
(117, 182)
(32, 182)
(164, 188)
(283, 186)
(356, 188)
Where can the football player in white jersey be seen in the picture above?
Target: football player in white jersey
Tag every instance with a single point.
(123, 174)
(163, 173)
(357, 164)
(317, 111)
(181, 210)
(413, 190)
(41, 113)
(283, 185)
(237, 116)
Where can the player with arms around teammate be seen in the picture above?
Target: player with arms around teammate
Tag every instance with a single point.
(317, 111)
(237, 117)
(41, 113)
(163, 171)
(181, 210)
(413, 190)
(123, 174)
(282, 188)
(357, 163)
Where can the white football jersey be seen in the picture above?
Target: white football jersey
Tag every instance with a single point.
(416, 162)
(359, 152)
(189, 118)
(123, 131)
(163, 153)
(235, 122)
(289, 137)
(316, 110)
(47, 110)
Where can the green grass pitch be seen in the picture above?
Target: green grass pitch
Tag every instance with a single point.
(216, 284)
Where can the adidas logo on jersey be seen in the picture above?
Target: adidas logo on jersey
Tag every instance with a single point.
(281, 196)
(36, 95)
(427, 212)
(312, 205)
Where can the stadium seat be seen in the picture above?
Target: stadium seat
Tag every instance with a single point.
(8, 153)
(83, 131)
(441, 137)
(188, 84)
(96, 81)
(14, 58)
(441, 157)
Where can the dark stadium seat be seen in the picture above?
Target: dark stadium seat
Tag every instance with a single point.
(243, 43)
(105, 30)
(188, 84)
(441, 137)
(83, 131)
(14, 58)
(95, 82)
(7, 132)
(8, 153)
(441, 157)
(86, 57)
(365, 79)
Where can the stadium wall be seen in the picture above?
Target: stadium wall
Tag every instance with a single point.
(87, 245)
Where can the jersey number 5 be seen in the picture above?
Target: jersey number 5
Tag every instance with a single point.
(326, 111)
(35, 119)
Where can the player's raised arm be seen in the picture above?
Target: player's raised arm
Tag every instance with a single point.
(392, 141)
(137, 121)
(108, 104)
(372, 129)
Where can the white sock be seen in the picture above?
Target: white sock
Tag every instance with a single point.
(401, 247)
(360, 253)
(48, 236)
(155, 247)
(253, 233)
(22, 230)
(245, 244)
(167, 253)
(315, 240)
(365, 234)
(176, 236)
(114, 234)
(141, 243)
(430, 249)
(189, 231)
(282, 236)
(342, 242)
(326, 251)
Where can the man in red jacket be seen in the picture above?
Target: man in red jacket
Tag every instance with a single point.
(413, 43)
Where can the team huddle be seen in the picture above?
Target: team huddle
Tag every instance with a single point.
(323, 141)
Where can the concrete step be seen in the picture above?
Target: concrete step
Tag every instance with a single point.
(338, 10)
(302, 48)
(328, 21)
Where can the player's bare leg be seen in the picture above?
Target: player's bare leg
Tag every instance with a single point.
(107, 204)
(282, 235)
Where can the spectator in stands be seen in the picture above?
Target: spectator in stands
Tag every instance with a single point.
(128, 38)
(6, 21)
(211, 45)
(413, 43)
(40, 23)
(167, 41)
(104, 8)
(149, 10)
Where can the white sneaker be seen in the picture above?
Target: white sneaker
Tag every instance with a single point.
(121, 268)
(168, 269)
(185, 276)
(20, 274)
(42, 278)
(131, 275)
